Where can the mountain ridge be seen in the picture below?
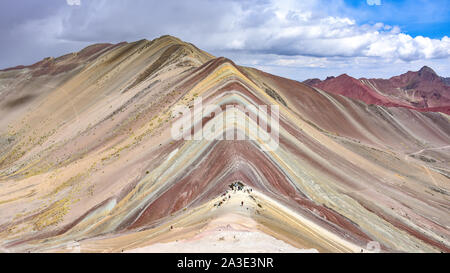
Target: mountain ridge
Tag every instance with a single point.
(422, 90)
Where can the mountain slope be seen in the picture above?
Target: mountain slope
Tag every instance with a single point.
(88, 162)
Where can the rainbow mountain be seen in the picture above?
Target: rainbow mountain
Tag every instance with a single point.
(88, 164)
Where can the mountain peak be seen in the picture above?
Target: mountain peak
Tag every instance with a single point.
(344, 76)
(427, 72)
(427, 69)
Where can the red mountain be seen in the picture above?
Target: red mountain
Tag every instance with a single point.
(423, 90)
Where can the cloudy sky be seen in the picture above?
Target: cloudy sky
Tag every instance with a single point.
(295, 39)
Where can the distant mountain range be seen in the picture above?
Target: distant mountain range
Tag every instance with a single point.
(422, 90)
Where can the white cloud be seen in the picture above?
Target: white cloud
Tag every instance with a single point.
(279, 35)
(373, 2)
(73, 2)
(297, 33)
(280, 27)
(293, 30)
